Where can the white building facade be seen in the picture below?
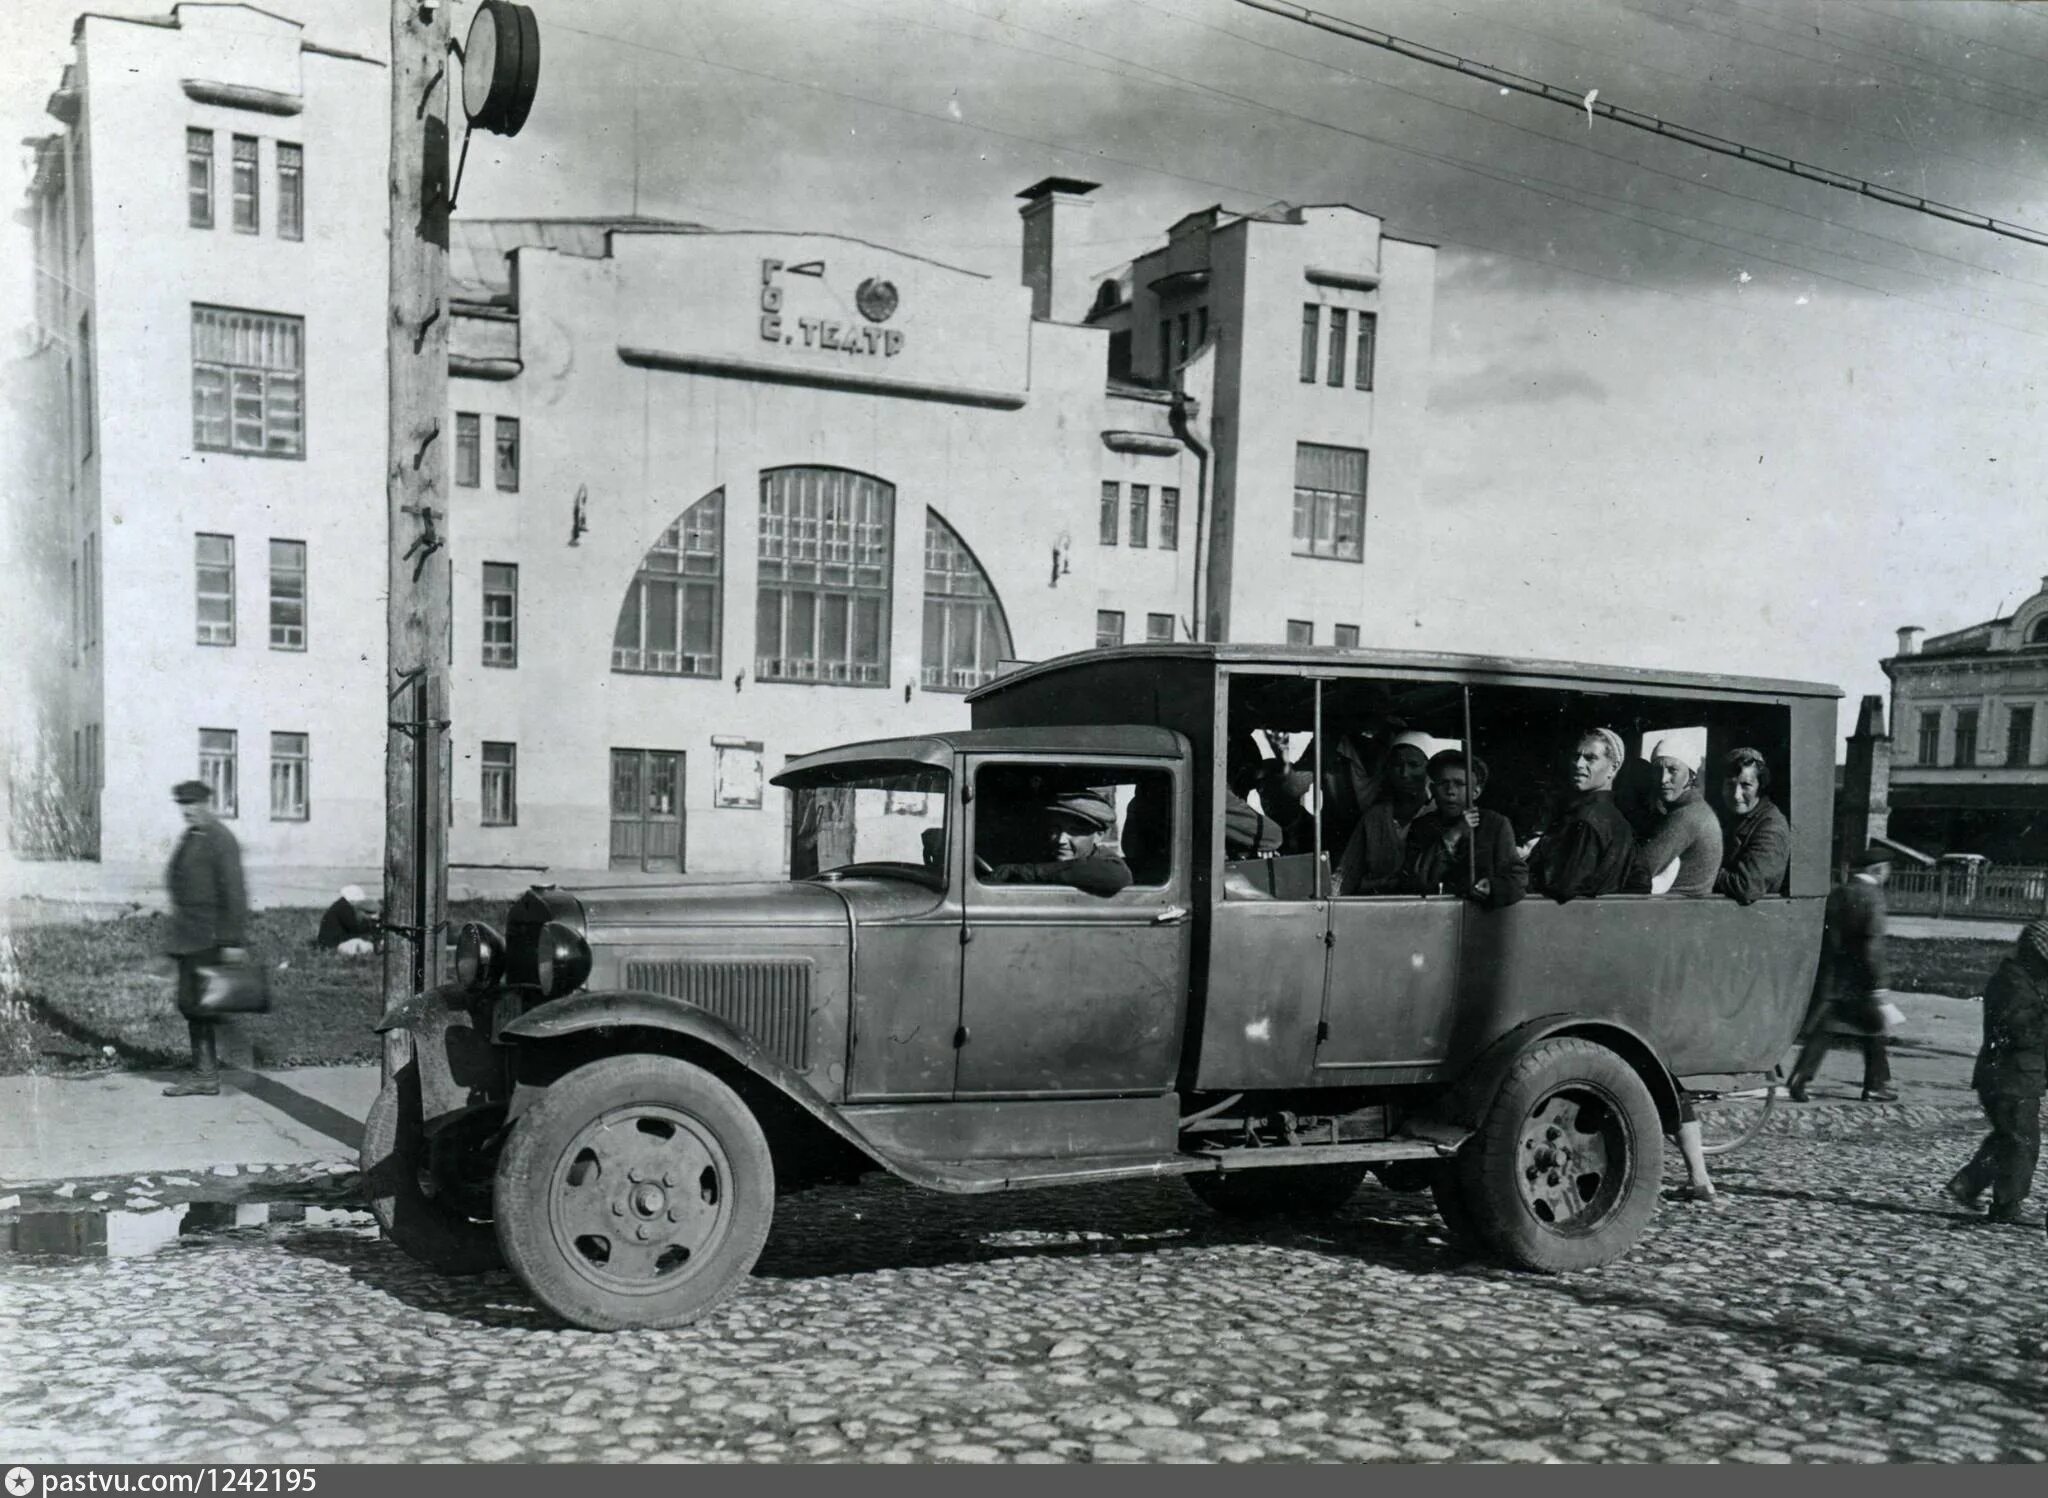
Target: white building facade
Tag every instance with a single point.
(716, 498)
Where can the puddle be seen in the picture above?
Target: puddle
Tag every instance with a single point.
(99, 1234)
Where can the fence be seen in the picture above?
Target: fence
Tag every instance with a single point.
(2009, 892)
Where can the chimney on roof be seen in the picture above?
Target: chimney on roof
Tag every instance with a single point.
(1054, 211)
(1909, 639)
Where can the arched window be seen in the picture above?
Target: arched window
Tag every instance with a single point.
(669, 621)
(2038, 635)
(965, 633)
(822, 611)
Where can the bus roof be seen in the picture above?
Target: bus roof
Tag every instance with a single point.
(1297, 657)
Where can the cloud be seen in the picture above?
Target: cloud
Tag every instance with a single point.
(1515, 385)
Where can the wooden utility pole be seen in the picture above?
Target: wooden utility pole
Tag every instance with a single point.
(416, 467)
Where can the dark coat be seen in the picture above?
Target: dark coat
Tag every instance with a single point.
(2014, 1060)
(1098, 873)
(1433, 869)
(208, 905)
(1588, 851)
(341, 922)
(1852, 960)
(1756, 850)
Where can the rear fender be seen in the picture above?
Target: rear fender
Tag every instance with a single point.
(556, 1027)
(1471, 1097)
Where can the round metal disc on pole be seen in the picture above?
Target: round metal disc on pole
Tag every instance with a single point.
(500, 67)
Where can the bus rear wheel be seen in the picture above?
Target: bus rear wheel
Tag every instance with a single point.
(1563, 1173)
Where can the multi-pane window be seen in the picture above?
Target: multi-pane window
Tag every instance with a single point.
(248, 202)
(87, 400)
(217, 768)
(1368, 336)
(469, 445)
(289, 797)
(822, 607)
(215, 560)
(2019, 736)
(500, 784)
(965, 633)
(1329, 502)
(248, 383)
(1159, 629)
(1311, 322)
(1966, 736)
(1346, 636)
(1169, 519)
(287, 595)
(501, 614)
(1141, 513)
(1339, 331)
(291, 191)
(1109, 627)
(669, 623)
(1930, 737)
(199, 178)
(1301, 632)
(508, 454)
(1108, 523)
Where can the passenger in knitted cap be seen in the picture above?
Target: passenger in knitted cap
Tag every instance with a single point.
(1588, 850)
(1683, 852)
(2011, 1076)
(1078, 830)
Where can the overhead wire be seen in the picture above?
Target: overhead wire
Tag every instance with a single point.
(1502, 78)
(1250, 193)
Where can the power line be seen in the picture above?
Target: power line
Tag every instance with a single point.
(1651, 123)
(1635, 165)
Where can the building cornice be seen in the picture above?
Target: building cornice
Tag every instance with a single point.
(1152, 444)
(1342, 280)
(242, 96)
(726, 367)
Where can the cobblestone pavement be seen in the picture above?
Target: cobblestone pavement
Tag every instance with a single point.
(1835, 1310)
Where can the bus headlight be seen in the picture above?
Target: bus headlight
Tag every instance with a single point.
(479, 957)
(562, 961)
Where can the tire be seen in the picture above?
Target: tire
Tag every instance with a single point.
(1278, 1191)
(1564, 1172)
(646, 1143)
(449, 1231)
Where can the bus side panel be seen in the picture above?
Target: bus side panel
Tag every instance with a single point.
(1712, 985)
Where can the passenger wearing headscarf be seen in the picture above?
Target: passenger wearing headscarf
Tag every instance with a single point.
(1683, 853)
(1378, 847)
(1589, 850)
(1076, 828)
(2011, 1076)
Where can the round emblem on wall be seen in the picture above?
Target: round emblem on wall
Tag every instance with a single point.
(876, 299)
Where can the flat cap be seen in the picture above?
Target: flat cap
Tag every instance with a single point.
(1095, 806)
(1872, 856)
(191, 793)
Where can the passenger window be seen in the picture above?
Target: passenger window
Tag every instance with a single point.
(1098, 827)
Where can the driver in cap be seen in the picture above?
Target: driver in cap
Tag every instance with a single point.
(1082, 853)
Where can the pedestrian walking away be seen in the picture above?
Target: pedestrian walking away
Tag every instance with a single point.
(209, 914)
(2011, 1076)
(1851, 991)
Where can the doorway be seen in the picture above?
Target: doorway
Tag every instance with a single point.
(647, 810)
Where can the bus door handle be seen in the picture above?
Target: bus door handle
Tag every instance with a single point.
(1172, 915)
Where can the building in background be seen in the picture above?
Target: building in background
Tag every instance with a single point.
(716, 498)
(1970, 737)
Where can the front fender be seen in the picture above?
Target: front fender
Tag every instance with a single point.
(640, 1010)
(458, 1066)
(1470, 1098)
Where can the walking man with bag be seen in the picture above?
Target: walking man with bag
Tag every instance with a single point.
(2011, 1076)
(209, 914)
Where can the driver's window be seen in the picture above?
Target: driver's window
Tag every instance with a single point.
(1096, 827)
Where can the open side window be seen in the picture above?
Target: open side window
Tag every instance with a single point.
(1099, 826)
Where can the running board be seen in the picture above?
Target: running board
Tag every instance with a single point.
(973, 1177)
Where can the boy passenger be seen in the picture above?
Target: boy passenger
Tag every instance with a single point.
(1757, 845)
(1588, 851)
(1378, 847)
(1439, 859)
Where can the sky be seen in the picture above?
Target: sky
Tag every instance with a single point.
(1685, 411)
